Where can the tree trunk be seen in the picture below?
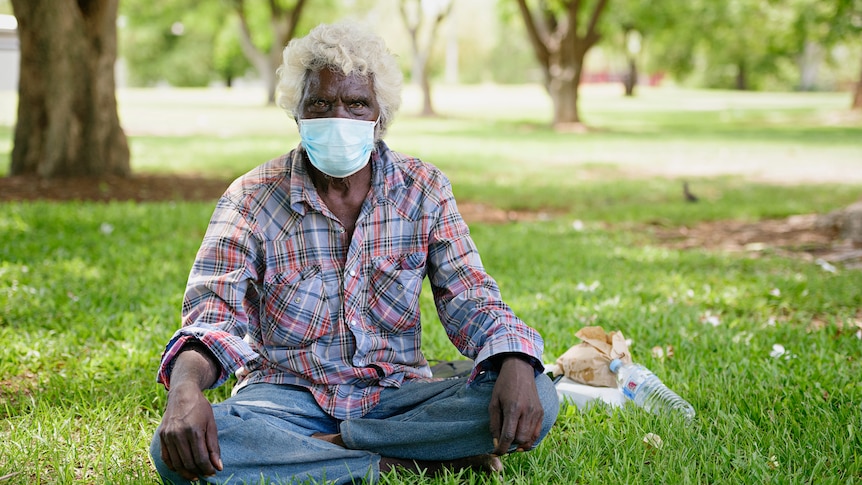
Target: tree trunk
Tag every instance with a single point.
(413, 18)
(282, 22)
(631, 78)
(857, 96)
(560, 49)
(809, 65)
(427, 105)
(741, 77)
(67, 108)
(565, 74)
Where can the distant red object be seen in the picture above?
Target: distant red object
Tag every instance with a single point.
(601, 77)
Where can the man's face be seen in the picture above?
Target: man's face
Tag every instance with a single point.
(330, 94)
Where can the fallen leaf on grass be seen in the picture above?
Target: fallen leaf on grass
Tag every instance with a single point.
(711, 319)
(588, 288)
(777, 351)
(653, 441)
(825, 266)
(661, 353)
(773, 462)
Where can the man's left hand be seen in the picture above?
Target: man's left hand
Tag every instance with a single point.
(515, 410)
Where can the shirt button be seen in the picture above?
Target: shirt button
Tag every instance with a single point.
(353, 323)
(297, 299)
(341, 230)
(352, 273)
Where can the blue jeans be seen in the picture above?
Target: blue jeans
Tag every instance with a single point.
(265, 431)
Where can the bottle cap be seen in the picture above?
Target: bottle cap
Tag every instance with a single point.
(615, 365)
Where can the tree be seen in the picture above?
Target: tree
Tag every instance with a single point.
(635, 25)
(283, 21)
(561, 38)
(847, 21)
(413, 14)
(67, 109)
(740, 44)
(228, 59)
(173, 41)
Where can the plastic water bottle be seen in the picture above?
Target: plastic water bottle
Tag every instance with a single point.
(647, 391)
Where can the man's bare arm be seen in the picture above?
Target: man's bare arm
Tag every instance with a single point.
(189, 439)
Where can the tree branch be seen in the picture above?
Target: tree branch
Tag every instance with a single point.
(592, 35)
(294, 18)
(539, 44)
(254, 55)
(412, 28)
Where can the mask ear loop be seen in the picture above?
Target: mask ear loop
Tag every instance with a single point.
(376, 130)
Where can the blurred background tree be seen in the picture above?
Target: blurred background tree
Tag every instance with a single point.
(67, 123)
(728, 44)
(188, 44)
(422, 19)
(561, 33)
(847, 23)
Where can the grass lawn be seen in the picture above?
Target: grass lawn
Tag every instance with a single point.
(90, 293)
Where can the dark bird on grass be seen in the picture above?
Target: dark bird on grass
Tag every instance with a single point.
(689, 197)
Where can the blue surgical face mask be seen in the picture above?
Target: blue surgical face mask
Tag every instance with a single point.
(338, 147)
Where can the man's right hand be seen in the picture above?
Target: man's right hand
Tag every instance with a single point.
(188, 433)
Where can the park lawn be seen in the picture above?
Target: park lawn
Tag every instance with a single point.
(90, 293)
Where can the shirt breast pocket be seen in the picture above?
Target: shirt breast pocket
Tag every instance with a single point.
(395, 284)
(295, 313)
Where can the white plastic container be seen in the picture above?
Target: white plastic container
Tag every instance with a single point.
(584, 396)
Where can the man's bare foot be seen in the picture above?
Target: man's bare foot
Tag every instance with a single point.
(488, 464)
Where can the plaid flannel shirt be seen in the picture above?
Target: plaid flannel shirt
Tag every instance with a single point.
(280, 294)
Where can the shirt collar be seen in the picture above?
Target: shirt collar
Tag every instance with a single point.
(387, 180)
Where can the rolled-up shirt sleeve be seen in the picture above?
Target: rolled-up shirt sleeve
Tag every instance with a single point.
(468, 300)
(221, 299)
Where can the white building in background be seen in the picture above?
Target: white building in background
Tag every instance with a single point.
(9, 53)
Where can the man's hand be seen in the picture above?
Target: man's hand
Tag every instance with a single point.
(515, 410)
(188, 432)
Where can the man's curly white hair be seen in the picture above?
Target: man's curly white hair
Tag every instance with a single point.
(344, 47)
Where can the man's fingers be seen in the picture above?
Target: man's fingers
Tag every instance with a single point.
(203, 465)
(528, 443)
(530, 427)
(496, 422)
(506, 434)
(190, 455)
(166, 454)
(214, 450)
(521, 430)
(171, 457)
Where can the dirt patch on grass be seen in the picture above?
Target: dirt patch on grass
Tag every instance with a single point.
(141, 188)
(797, 236)
(801, 236)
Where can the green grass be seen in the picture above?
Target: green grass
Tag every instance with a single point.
(90, 293)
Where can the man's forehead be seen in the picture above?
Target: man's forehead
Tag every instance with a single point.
(333, 80)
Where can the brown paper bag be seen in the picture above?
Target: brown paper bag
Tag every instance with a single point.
(588, 362)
